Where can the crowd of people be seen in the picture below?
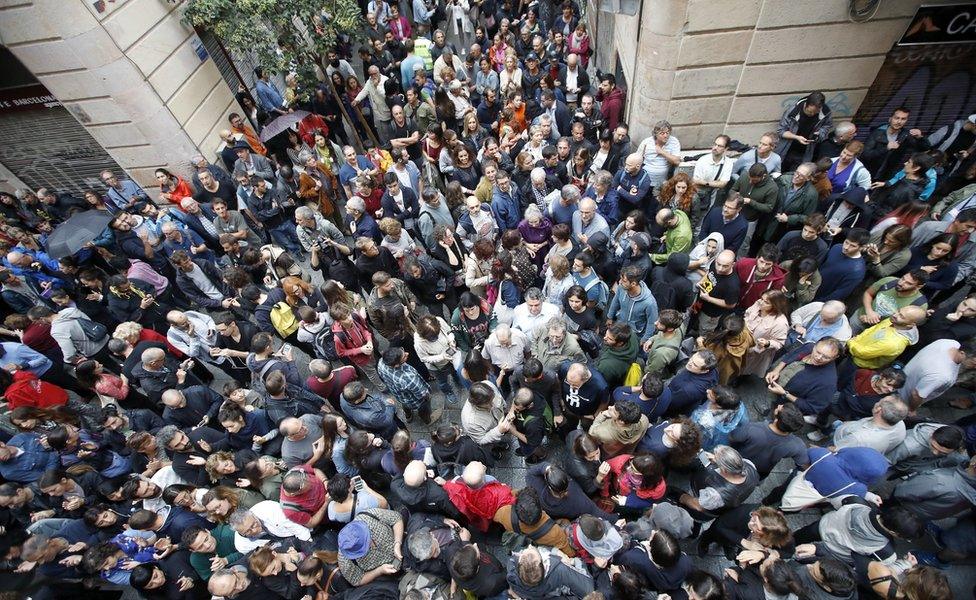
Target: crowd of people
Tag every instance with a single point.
(298, 371)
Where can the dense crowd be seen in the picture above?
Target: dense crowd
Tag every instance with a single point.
(248, 385)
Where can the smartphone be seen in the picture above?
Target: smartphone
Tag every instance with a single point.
(285, 349)
(357, 483)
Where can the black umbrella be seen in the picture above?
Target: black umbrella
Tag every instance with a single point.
(72, 235)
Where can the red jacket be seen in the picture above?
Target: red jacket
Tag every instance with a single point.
(309, 126)
(479, 505)
(750, 290)
(28, 390)
(623, 484)
(612, 107)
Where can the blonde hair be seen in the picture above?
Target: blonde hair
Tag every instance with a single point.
(127, 331)
(390, 226)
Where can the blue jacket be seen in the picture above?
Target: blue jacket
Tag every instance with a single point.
(847, 471)
(268, 96)
(506, 210)
(373, 414)
(639, 312)
(733, 232)
(813, 386)
(31, 463)
(623, 183)
(26, 357)
(608, 207)
(840, 275)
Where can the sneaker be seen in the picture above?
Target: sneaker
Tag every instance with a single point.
(816, 436)
(929, 559)
(810, 419)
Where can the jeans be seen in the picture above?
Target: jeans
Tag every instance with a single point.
(444, 377)
(46, 527)
(284, 235)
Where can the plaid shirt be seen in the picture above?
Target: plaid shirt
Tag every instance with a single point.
(405, 384)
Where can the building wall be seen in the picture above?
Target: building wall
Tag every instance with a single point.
(732, 66)
(128, 71)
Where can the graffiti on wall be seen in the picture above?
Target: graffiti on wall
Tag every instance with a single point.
(937, 83)
(839, 103)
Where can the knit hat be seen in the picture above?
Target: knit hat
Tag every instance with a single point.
(354, 540)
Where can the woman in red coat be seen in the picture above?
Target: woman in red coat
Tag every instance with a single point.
(629, 482)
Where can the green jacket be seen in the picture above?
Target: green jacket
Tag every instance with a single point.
(613, 363)
(676, 239)
(663, 352)
(762, 197)
(946, 204)
(797, 209)
(225, 549)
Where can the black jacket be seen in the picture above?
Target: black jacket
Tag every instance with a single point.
(427, 498)
(882, 162)
(190, 289)
(201, 402)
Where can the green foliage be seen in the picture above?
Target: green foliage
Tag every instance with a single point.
(284, 35)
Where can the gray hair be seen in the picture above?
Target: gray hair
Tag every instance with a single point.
(533, 293)
(844, 127)
(237, 517)
(538, 175)
(318, 367)
(834, 305)
(556, 324)
(420, 543)
(570, 192)
(533, 210)
(729, 460)
(661, 126)
(602, 178)
(893, 410)
(809, 167)
(304, 212)
(165, 435)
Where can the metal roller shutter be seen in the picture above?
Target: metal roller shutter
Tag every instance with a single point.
(47, 147)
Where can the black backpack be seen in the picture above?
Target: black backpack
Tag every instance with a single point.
(324, 343)
(664, 294)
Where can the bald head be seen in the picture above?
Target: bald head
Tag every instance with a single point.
(474, 474)
(151, 355)
(587, 204)
(415, 474)
(290, 426)
(172, 398)
(633, 163)
(176, 317)
(908, 317)
(832, 310)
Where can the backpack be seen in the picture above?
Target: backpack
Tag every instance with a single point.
(634, 375)
(283, 319)
(94, 332)
(605, 291)
(257, 378)
(664, 294)
(324, 344)
(589, 342)
(515, 540)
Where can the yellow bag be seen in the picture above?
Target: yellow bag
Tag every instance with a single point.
(283, 319)
(634, 375)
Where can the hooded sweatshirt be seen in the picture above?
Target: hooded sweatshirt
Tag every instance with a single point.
(853, 528)
(849, 471)
(616, 439)
(914, 453)
(558, 580)
(639, 311)
(939, 493)
(674, 274)
(613, 363)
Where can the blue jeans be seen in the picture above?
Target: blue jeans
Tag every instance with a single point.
(444, 376)
(284, 235)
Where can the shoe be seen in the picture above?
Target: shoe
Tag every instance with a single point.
(498, 453)
(452, 399)
(929, 559)
(816, 436)
(810, 419)
(703, 547)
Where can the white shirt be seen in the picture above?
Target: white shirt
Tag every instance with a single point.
(512, 355)
(706, 169)
(930, 372)
(529, 324)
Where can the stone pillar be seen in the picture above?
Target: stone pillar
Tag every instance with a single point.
(129, 72)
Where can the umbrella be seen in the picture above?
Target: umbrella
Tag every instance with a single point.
(282, 123)
(72, 235)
